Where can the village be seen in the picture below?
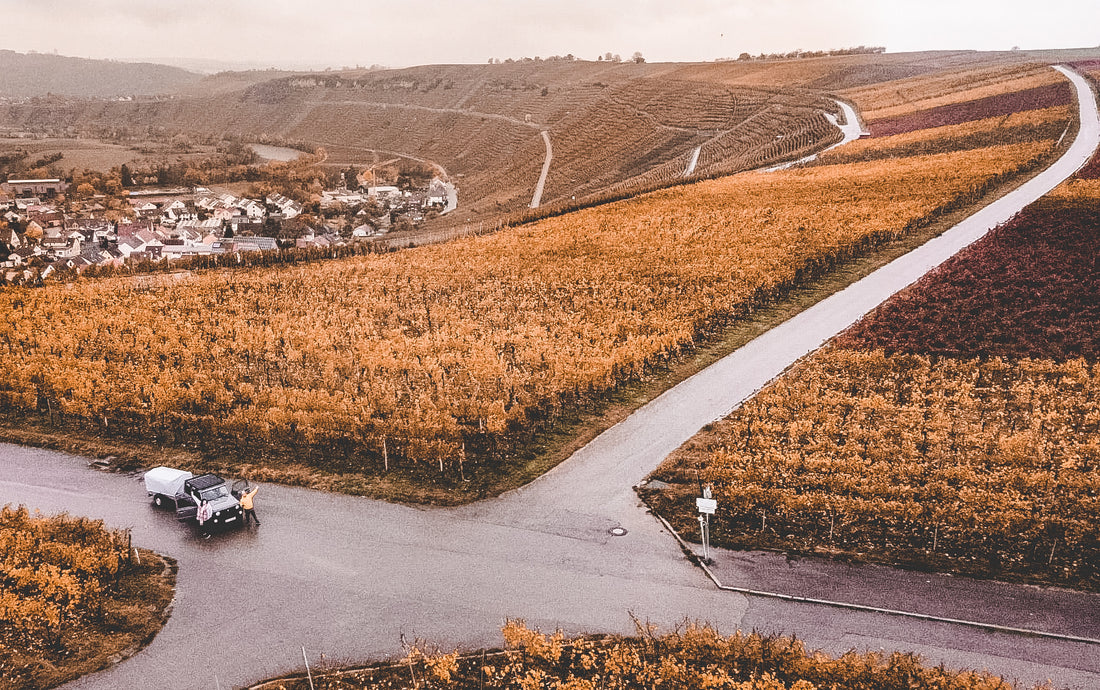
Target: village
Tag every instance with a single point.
(42, 232)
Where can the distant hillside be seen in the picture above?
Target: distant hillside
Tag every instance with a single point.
(36, 74)
(614, 128)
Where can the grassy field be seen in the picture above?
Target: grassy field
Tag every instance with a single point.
(96, 154)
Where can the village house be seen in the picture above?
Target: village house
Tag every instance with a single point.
(179, 247)
(92, 231)
(437, 193)
(384, 192)
(144, 209)
(137, 238)
(98, 256)
(10, 238)
(287, 207)
(46, 216)
(177, 211)
(198, 227)
(24, 255)
(63, 245)
(43, 187)
(252, 208)
(244, 224)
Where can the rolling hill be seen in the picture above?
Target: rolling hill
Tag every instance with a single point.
(614, 128)
(24, 75)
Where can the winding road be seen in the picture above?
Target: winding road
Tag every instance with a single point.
(536, 198)
(347, 577)
(850, 131)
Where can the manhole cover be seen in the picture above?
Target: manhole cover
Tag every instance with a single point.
(617, 531)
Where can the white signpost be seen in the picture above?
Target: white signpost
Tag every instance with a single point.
(706, 506)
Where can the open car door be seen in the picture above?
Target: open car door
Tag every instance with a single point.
(240, 487)
(186, 509)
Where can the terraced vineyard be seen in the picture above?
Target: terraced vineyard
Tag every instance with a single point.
(612, 125)
(955, 426)
(450, 356)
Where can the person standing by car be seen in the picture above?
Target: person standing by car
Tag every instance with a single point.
(249, 509)
(203, 516)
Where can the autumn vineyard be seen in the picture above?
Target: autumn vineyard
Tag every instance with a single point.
(954, 427)
(693, 656)
(448, 356)
(71, 594)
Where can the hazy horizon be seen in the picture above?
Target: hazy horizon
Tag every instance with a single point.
(343, 33)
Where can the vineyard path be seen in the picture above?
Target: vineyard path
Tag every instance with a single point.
(536, 198)
(851, 130)
(351, 578)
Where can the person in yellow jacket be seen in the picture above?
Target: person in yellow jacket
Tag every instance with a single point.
(249, 508)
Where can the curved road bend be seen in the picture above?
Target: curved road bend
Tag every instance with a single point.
(850, 131)
(346, 577)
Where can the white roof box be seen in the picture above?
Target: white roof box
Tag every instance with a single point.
(165, 480)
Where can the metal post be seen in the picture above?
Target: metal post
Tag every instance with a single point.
(308, 674)
(706, 505)
(704, 532)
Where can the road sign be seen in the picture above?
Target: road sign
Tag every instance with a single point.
(706, 505)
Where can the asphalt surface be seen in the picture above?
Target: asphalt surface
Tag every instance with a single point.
(349, 578)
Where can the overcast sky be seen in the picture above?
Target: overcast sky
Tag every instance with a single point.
(410, 32)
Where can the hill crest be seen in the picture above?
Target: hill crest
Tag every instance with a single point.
(24, 75)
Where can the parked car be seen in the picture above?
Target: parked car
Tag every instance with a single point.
(185, 492)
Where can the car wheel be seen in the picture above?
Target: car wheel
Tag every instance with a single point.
(158, 500)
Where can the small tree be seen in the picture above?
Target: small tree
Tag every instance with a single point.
(637, 57)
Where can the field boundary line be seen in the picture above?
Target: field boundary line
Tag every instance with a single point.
(993, 627)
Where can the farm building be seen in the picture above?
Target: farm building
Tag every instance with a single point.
(44, 187)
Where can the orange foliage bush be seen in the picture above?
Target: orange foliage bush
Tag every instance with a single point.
(53, 571)
(696, 656)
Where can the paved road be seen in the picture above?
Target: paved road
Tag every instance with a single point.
(693, 161)
(602, 473)
(347, 577)
(536, 198)
(850, 131)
